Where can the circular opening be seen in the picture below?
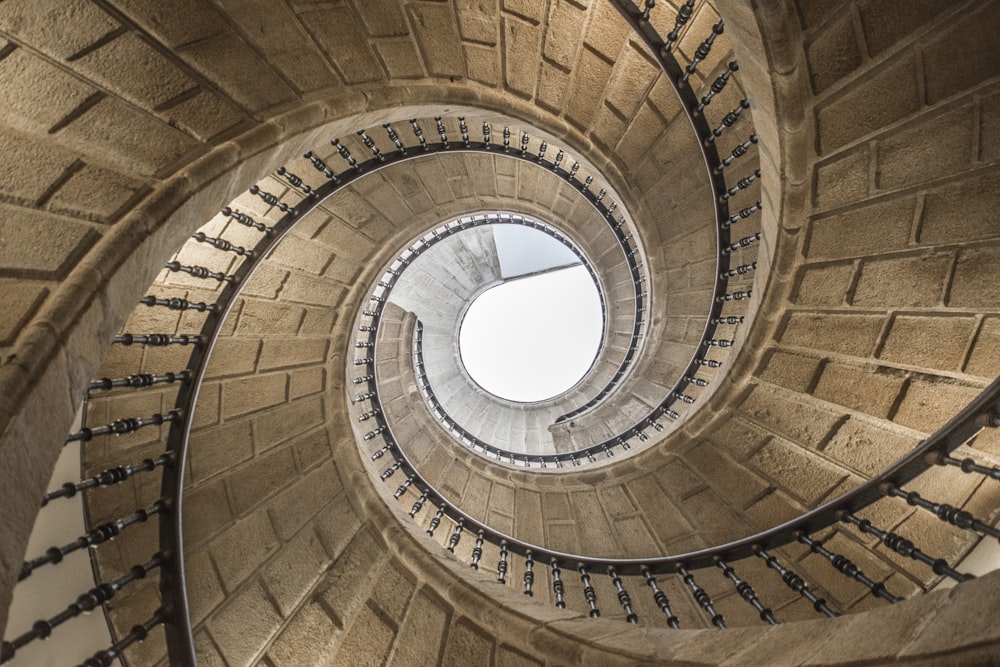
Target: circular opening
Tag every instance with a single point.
(533, 337)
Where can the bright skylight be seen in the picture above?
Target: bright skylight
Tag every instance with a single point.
(533, 338)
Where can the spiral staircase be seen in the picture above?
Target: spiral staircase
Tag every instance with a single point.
(783, 452)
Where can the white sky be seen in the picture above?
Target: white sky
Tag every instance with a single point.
(523, 250)
(533, 338)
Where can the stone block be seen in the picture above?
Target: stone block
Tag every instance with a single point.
(792, 371)
(49, 163)
(562, 34)
(305, 382)
(509, 657)
(129, 66)
(295, 505)
(989, 129)
(985, 349)
(606, 32)
(19, 302)
(883, 97)
(841, 180)
(94, 193)
(825, 285)
(974, 600)
(244, 626)
(437, 38)
(631, 81)
(307, 638)
(927, 404)
(262, 317)
(739, 485)
(467, 645)
(591, 77)
(243, 548)
(960, 212)
(215, 450)
(972, 285)
(206, 115)
(21, 254)
(477, 20)
(902, 282)
(521, 44)
(250, 394)
(293, 571)
(786, 413)
(833, 52)
(206, 511)
(928, 342)
(796, 471)
(944, 74)
(233, 356)
(773, 509)
(400, 58)
(844, 334)
(299, 351)
(251, 484)
(287, 421)
(133, 140)
(45, 94)
(60, 29)
(351, 576)
(869, 230)
(298, 253)
(907, 158)
(870, 391)
(392, 591)
(866, 448)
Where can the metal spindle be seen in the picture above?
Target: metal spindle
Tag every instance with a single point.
(87, 602)
(403, 487)
(846, 567)
(529, 574)
(247, 221)
(370, 145)
(703, 50)
(729, 120)
(661, 599)
(418, 504)
(738, 295)
(947, 513)
(502, 565)
(93, 537)
(456, 536)
(176, 303)
(740, 270)
(271, 200)
(588, 591)
(477, 551)
(744, 242)
(321, 166)
(436, 520)
(742, 215)
(123, 426)
(701, 597)
(200, 272)
(742, 184)
(968, 466)
(441, 132)
(746, 592)
(717, 86)
(905, 547)
(138, 633)
(683, 14)
(623, 596)
(222, 244)
(296, 182)
(107, 477)
(557, 585)
(796, 583)
(345, 153)
(139, 380)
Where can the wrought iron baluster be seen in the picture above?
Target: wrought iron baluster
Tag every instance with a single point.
(247, 221)
(296, 182)
(123, 426)
(746, 592)
(729, 120)
(905, 547)
(346, 154)
(175, 303)
(321, 166)
(456, 536)
(557, 585)
(703, 50)
(529, 574)
(436, 520)
(107, 477)
(200, 272)
(477, 551)
(271, 200)
(138, 633)
(588, 591)
(846, 567)
(701, 597)
(947, 513)
(623, 596)
(717, 86)
(661, 599)
(502, 565)
(139, 381)
(796, 583)
(683, 15)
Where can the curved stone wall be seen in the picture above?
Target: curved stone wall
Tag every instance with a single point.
(835, 377)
